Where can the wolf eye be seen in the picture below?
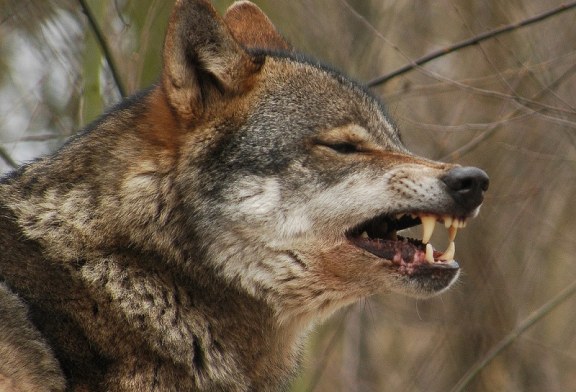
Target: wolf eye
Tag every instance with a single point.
(341, 148)
(344, 148)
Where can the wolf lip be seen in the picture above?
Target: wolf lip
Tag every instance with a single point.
(378, 236)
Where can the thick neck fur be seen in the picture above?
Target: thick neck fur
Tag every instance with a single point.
(117, 234)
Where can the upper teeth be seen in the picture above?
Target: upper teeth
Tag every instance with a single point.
(428, 225)
(452, 233)
(448, 253)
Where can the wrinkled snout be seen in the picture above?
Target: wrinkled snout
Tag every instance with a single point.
(467, 186)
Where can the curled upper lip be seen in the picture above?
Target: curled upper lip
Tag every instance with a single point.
(372, 234)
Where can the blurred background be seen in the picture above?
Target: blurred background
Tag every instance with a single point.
(506, 104)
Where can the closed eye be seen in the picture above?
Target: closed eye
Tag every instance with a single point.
(341, 147)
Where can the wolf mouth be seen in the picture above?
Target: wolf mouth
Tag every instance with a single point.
(379, 237)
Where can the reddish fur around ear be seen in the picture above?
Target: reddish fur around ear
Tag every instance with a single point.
(201, 57)
(252, 28)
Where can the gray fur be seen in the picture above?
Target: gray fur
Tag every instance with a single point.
(190, 238)
(28, 364)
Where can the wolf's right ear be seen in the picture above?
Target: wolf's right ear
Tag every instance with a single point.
(201, 58)
(252, 28)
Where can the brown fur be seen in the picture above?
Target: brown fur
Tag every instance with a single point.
(251, 28)
(190, 238)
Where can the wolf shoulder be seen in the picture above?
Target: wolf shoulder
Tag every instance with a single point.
(27, 363)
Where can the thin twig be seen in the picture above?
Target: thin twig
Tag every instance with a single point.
(532, 319)
(461, 84)
(35, 138)
(445, 85)
(7, 158)
(469, 42)
(472, 144)
(103, 46)
(496, 94)
(317, 375)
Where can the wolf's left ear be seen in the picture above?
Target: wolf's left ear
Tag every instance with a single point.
(252, 28)
(201, 58)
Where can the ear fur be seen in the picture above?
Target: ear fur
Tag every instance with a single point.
(201, 57)
(252, 28)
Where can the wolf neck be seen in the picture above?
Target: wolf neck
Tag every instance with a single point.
(116, 233)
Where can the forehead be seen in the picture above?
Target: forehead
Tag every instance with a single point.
(313, 97)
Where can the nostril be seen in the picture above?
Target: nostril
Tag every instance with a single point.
(464, 179)
(467, 185)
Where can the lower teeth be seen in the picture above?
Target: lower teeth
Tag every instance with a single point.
(429, 253)
(449, 253)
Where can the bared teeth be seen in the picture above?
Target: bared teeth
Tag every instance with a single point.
(452, 233)
(448, 254)
(459, 223)
(428, 224)
(452, 224)
(429, 253)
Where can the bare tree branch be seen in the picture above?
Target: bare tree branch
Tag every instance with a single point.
(7, 158)
(103, 46)
(36, 138)
(472, 144)
(532, 319)
(446, 84)
(523, 101)
(462, 84)
(332, 344)
(469, 42)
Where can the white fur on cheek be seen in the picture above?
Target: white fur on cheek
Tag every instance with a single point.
(257, 195)
(329, 213)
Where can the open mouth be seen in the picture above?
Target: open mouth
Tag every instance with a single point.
(379, 237)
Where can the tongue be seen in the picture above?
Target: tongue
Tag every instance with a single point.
(403, 250)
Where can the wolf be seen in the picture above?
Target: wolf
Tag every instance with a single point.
(189, 238)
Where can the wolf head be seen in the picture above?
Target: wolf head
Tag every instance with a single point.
(258, 167)
(296, 179)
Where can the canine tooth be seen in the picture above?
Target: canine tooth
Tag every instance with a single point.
(449, 253)
(452, 233)
(429, 253)
(364, 234)
(428, 224)
(399, 216)
(447, 222)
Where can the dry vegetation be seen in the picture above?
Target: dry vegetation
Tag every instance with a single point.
(507, 104)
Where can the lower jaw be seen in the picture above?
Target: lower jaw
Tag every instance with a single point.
(426, 283)
(425, 268)
(407, 257)
(407, 254)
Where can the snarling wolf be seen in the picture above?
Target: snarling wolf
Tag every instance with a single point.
(189, 238)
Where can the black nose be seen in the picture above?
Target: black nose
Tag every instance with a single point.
(467, 186)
